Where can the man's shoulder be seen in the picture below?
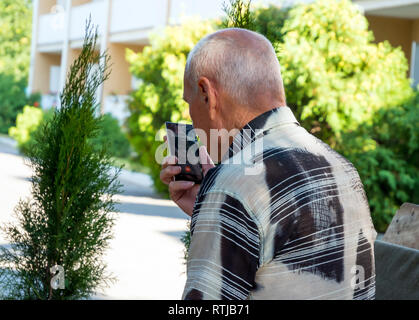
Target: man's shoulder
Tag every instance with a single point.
(279, 166)
(230, 177)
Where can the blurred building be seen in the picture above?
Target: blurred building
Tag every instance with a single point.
(58, 31)
(59, 25)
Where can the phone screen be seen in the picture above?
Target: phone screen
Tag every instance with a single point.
(183, 144)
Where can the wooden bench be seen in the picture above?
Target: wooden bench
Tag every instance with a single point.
(397, 257)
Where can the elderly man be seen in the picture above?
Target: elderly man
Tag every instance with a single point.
(296, 227)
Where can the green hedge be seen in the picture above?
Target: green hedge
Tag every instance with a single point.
(27, 123)
(111, 135)
(15, 39)
(12, 100)
(386, 154)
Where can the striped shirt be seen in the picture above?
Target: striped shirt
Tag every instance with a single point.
(283, 216)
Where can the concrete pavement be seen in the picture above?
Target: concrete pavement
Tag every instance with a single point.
(146, 254)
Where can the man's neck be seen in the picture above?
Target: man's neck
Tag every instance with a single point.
(242, 115)
(246, 114)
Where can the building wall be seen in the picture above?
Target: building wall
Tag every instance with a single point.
(45, 6)
(397, 31)
(42, 69)
(415, 30)
(119, 82)
(79, 2)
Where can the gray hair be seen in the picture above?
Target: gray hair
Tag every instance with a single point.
(242, 70)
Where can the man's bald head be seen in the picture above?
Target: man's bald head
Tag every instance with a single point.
(241, 62)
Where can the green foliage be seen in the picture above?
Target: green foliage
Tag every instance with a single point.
(27, 123)
(68, 221)
(159, 98)
(386, 154)
(15, 38)
(335, 77)
(186, 240)
(111, 135)
(12, 100)
(238, 15)
(270, 21)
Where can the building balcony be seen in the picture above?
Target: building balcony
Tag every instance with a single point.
(80, 14)
(52, 27)
(51, 30)
(130, 21)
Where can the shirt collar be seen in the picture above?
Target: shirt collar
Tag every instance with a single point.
(260, 126)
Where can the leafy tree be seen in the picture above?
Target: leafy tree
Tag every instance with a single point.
(238, 15)
(385, 153)
(110, 134)
(27, 123)
(15, 38)
(335, 77)
(160, 66)
(12, 100)
(68, 220)
(270, 21)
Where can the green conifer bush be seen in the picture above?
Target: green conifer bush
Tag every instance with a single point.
(67, 222)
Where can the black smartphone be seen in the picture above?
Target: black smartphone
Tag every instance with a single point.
(183, 143)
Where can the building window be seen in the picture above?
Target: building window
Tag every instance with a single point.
(414, 64)
(54, 79)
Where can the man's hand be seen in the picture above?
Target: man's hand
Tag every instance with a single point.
(183, 193)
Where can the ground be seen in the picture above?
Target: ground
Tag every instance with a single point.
(146, 254)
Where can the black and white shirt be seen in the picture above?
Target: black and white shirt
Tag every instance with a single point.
(282, 217)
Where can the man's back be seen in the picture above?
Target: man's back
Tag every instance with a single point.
(290, 222)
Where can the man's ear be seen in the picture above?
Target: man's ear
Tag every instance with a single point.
(208, 94)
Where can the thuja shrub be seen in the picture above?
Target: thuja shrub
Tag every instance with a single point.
(66, 224)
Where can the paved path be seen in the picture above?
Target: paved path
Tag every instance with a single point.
(146, 254)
